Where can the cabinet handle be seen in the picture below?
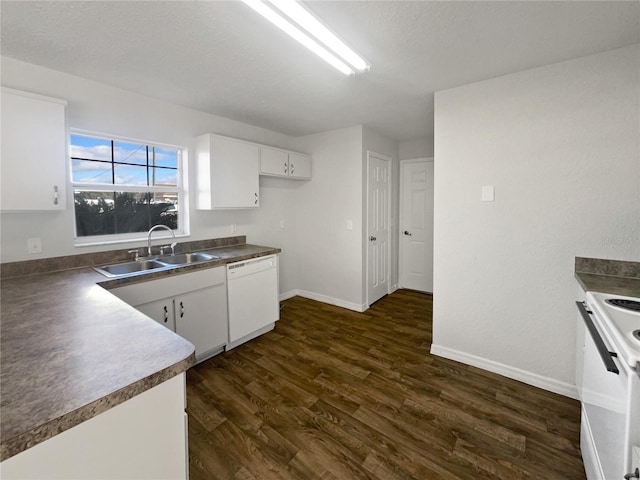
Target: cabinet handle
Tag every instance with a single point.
(166, 314)
(292, 168)
(55, 195)
(181, 310)
(256, 201)
(286, 166)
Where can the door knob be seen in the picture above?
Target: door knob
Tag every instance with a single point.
(372, 238)
(407, 233)
(635, 474)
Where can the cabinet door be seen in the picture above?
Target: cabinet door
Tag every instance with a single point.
(234, 173)
(274, 162)
(144, 437)
(299, 165)
(201, 318)
(161, 311)
(34, 153)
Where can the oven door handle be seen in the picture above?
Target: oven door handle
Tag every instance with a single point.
(604, 352)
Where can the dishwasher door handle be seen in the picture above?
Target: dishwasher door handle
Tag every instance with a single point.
(604, 352)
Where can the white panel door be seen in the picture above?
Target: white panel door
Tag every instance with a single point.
(378, 229)
(416, 225)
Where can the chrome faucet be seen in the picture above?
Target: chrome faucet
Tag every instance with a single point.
(155, 227)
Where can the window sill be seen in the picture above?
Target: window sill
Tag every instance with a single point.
(79, 243)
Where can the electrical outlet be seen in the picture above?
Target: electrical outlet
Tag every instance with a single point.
(34, 245)
(234, 229)
(281, 223)
(349, 224)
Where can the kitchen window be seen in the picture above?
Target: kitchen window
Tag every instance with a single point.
(122, 187)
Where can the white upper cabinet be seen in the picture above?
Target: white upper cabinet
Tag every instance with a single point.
(299, 165)
(282, 163)
(226, 173)
(34, 152)
(274, 161)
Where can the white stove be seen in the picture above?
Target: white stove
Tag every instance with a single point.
(609, 385)
(622, 325)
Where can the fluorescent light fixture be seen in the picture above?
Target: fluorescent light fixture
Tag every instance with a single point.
(306, 21)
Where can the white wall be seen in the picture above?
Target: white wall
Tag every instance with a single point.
(319, 255)
(561, 146)
(100, 108)
(329, 256)
(417, 148)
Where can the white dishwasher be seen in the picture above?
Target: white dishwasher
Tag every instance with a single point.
(254, 306)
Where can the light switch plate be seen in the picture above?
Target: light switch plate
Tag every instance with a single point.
(349, 224)
(488, 193)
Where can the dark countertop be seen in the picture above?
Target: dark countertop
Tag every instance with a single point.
(591, 282)
(70, 350)
(608, 276)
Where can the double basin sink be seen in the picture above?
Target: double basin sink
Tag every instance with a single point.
(164, 262)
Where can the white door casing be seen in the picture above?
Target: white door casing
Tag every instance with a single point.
(416, 224)
(378, 226)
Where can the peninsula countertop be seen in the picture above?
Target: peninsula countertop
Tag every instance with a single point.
(71, 350)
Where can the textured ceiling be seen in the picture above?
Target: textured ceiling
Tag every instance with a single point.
(223, 58)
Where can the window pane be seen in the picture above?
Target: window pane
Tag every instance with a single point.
(130, 174)
(90, 148)
(132, 153)
(163, 177)
(87, 171)
(107, 213)
(94, 213)
(164, 158)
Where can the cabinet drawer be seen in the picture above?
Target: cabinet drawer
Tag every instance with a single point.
(156, 289)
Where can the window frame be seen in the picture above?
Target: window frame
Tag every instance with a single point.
(180, 189)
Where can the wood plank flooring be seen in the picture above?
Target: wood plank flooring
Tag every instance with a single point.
(334, 394)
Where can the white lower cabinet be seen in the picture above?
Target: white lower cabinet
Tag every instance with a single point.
(161, 311)
(194, 305)
(201, 318)
(142, 438)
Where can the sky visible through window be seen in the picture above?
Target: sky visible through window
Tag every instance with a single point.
(92, 162)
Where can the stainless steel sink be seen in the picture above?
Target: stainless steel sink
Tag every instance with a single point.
(186, 258)
(164, 262)
(128, 268)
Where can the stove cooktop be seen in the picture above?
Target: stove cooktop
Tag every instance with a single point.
(619, 317)
(624, 303)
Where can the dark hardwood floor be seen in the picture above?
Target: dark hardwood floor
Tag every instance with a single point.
(335, 394)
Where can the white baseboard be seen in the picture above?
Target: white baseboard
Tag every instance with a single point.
(288, 295)
(545, 383)
(323, 298)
